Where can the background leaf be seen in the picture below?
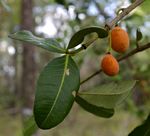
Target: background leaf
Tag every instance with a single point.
(78, 37)
(55, 86)
(30, 127)
(98, 111)
(138, 35)
(7, 8)
(48, 44)
(142, 130)
(108, 95)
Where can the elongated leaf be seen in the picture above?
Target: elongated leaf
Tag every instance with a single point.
(30, 127)
(142, 130)
(78, 37)
(54, 98)
(108, 95)
(48, 44)
(98, 111)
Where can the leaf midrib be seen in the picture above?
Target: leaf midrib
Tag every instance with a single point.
(51, 45)
(83, 93)
(59, 90)
(105, 94)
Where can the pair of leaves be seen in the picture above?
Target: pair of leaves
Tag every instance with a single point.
(51, 44)
(102, 100)
(142, 130)
(54, 94)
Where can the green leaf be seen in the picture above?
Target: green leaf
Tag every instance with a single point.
(142, 130)
(54, 91)
(96, 110)
(48, 44)
(108, 95)
(138, 35)
(30, 127)
(78, 37)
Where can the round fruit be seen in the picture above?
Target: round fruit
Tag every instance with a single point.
(110, 65)
(119, 40)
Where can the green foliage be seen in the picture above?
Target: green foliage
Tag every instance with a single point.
(78, 37)
(60, 79)
(54, 91)
(96, 110)
(48, 44)
(108, 95)
(142, 130)
(30, 126)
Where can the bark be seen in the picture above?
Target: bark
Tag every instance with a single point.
(28, 58)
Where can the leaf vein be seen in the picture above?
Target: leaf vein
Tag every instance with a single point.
(59, 90)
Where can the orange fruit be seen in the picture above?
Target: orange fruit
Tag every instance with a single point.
(110, 65)
(119, 39)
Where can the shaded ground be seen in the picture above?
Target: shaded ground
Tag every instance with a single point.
(78, 123)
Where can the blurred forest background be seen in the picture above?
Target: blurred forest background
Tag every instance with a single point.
(60, 19)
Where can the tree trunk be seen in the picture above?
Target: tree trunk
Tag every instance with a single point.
(28, 60)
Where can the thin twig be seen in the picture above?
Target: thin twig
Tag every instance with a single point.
(125, 12)
(91, 76)
(129, 54)
(134, 51)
